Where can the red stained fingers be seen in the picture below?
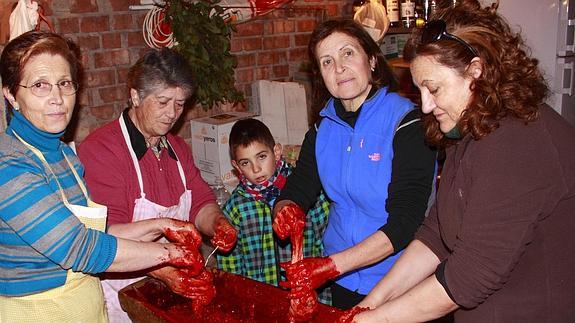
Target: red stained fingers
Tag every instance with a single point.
(289, 219)
(347, 316)
(186, 234)
(186, 256)
(225, 235)
(303, 308)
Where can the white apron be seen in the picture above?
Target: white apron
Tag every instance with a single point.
(80, 299)
(143, 209)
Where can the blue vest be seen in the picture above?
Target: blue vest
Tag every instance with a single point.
(354, 166)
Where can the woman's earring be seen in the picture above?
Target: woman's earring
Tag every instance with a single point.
(15, 106)
(135, 102)
(373, 69)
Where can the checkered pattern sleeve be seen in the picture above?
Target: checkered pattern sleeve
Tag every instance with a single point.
(316, 224)
(254, 255)
(232, 262)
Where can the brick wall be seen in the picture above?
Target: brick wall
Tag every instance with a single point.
(270, 47)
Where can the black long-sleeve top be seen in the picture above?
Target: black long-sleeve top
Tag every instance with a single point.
(412, 176)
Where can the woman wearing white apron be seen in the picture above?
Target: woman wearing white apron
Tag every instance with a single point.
(140, 171)
(51, 233)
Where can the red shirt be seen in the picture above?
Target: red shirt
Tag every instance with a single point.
(112, 180)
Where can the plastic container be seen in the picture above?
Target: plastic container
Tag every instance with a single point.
(222, 194)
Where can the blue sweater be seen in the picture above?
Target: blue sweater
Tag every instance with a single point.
(40, 239)
(354, 166)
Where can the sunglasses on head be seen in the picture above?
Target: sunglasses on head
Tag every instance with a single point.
(436, 30)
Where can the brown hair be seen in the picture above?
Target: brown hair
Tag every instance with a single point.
(21, 49)
(160, 68)
(510, 83)
(247, 131)
(380, 77)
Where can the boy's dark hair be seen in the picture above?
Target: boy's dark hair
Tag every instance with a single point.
(247, 131)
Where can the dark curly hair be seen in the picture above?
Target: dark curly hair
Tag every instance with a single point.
(510, 84)
(380, 77)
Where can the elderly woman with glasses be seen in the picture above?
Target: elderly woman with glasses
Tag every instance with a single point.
(52, 238)
(368, 155)
(498, 244)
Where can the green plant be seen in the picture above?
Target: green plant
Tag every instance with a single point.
(203, 37)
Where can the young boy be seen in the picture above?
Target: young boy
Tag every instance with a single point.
(263, 172)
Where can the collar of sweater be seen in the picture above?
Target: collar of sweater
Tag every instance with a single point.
(42, 140)
(335, 110)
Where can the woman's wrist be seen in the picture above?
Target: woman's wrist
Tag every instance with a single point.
(169, 223)
(339, 263)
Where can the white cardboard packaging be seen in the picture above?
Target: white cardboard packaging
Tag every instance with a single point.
(389, 46)
(210, 147)
(282, 107)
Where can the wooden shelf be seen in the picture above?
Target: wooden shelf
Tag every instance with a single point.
(399, 30)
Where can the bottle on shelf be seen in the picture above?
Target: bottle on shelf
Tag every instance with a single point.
(425, 5)
(392, 7)
(431, 9)
(222, 194)
(419, 14)
(408, 13)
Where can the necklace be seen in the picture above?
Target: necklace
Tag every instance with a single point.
(150, 144)
(156, 148)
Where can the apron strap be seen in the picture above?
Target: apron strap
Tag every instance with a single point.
(132, 153)
(78, 179)
(180, 168)
(135, 159)
(39, 154)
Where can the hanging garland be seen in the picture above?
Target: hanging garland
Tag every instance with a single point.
(201, 31)
(202, 34)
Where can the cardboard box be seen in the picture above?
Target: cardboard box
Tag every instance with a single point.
(401, 41)
(282, 106)
(210, 147)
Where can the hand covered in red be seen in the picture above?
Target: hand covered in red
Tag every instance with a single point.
(347, 316)
(289, 220)
(225, 235)
(303, 309)
(184, 233)
(199, 288)
(308, 274)
(185, 256)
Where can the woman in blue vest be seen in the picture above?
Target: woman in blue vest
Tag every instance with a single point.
(368, 154)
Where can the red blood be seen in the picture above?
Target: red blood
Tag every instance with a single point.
(238, 299)
(225, 235)
(303, 308)
(184, 236)
(202, 288)
(192, 259)
(348, 316)
(305, 276)
(288, 220)
(308, 274)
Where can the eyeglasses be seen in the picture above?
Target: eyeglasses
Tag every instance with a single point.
(44, 88)
(436, 30)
